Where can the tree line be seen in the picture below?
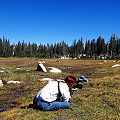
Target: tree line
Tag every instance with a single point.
(92, 49)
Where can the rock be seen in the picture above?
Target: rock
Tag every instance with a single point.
(116, 65)
(68, 67)
(37, 76)
(41, 67)
(18, 68)
(3, 68)
(46, 79)
(55, 70)
(11, 81)
(1, 83)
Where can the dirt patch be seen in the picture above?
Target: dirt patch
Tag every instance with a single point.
(77, 70)
(9, 101)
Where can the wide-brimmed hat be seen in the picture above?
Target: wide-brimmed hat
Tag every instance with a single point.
(82, 79)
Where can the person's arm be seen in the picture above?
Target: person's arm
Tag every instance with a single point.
(65, 92)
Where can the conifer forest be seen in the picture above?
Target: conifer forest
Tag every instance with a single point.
(91, 49)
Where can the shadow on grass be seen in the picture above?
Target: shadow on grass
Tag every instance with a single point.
(31, 106)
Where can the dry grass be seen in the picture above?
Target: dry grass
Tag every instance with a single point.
(100, 99)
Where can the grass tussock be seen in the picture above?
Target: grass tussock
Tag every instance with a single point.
(100, 99)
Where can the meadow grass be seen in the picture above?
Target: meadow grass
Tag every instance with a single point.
(98, 100)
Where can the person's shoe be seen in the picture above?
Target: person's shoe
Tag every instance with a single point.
(31, 106)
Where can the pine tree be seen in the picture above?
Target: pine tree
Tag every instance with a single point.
(58, 50)
(82, 46)
(8, 49)
(54, 50)
(119, 48)
(67, 50)
(48, 54)
(23, 48)
(93, 47)
(88, 48)
(11, 48)
(104, 47)
(29, 50)
(45, 51)
(112, 46)
(63, 48)
(39, 51)
(75, 48)
(34, 50)
(99, 48)
(51, 51)
(19, 50)
(1, 48)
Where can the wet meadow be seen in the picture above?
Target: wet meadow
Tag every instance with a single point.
(98, 100)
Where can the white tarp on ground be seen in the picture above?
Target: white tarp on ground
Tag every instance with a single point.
(116, 65)
(55, 70)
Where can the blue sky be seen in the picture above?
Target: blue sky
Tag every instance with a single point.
(52, 21)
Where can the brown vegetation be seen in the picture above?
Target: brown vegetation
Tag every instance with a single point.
(100, 99)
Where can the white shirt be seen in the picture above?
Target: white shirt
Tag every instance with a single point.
(50, 92)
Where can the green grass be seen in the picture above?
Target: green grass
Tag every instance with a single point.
(98, 100)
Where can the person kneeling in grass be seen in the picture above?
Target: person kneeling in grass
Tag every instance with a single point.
(48, 98)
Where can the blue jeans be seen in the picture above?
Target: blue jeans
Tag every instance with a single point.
(46, 106)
